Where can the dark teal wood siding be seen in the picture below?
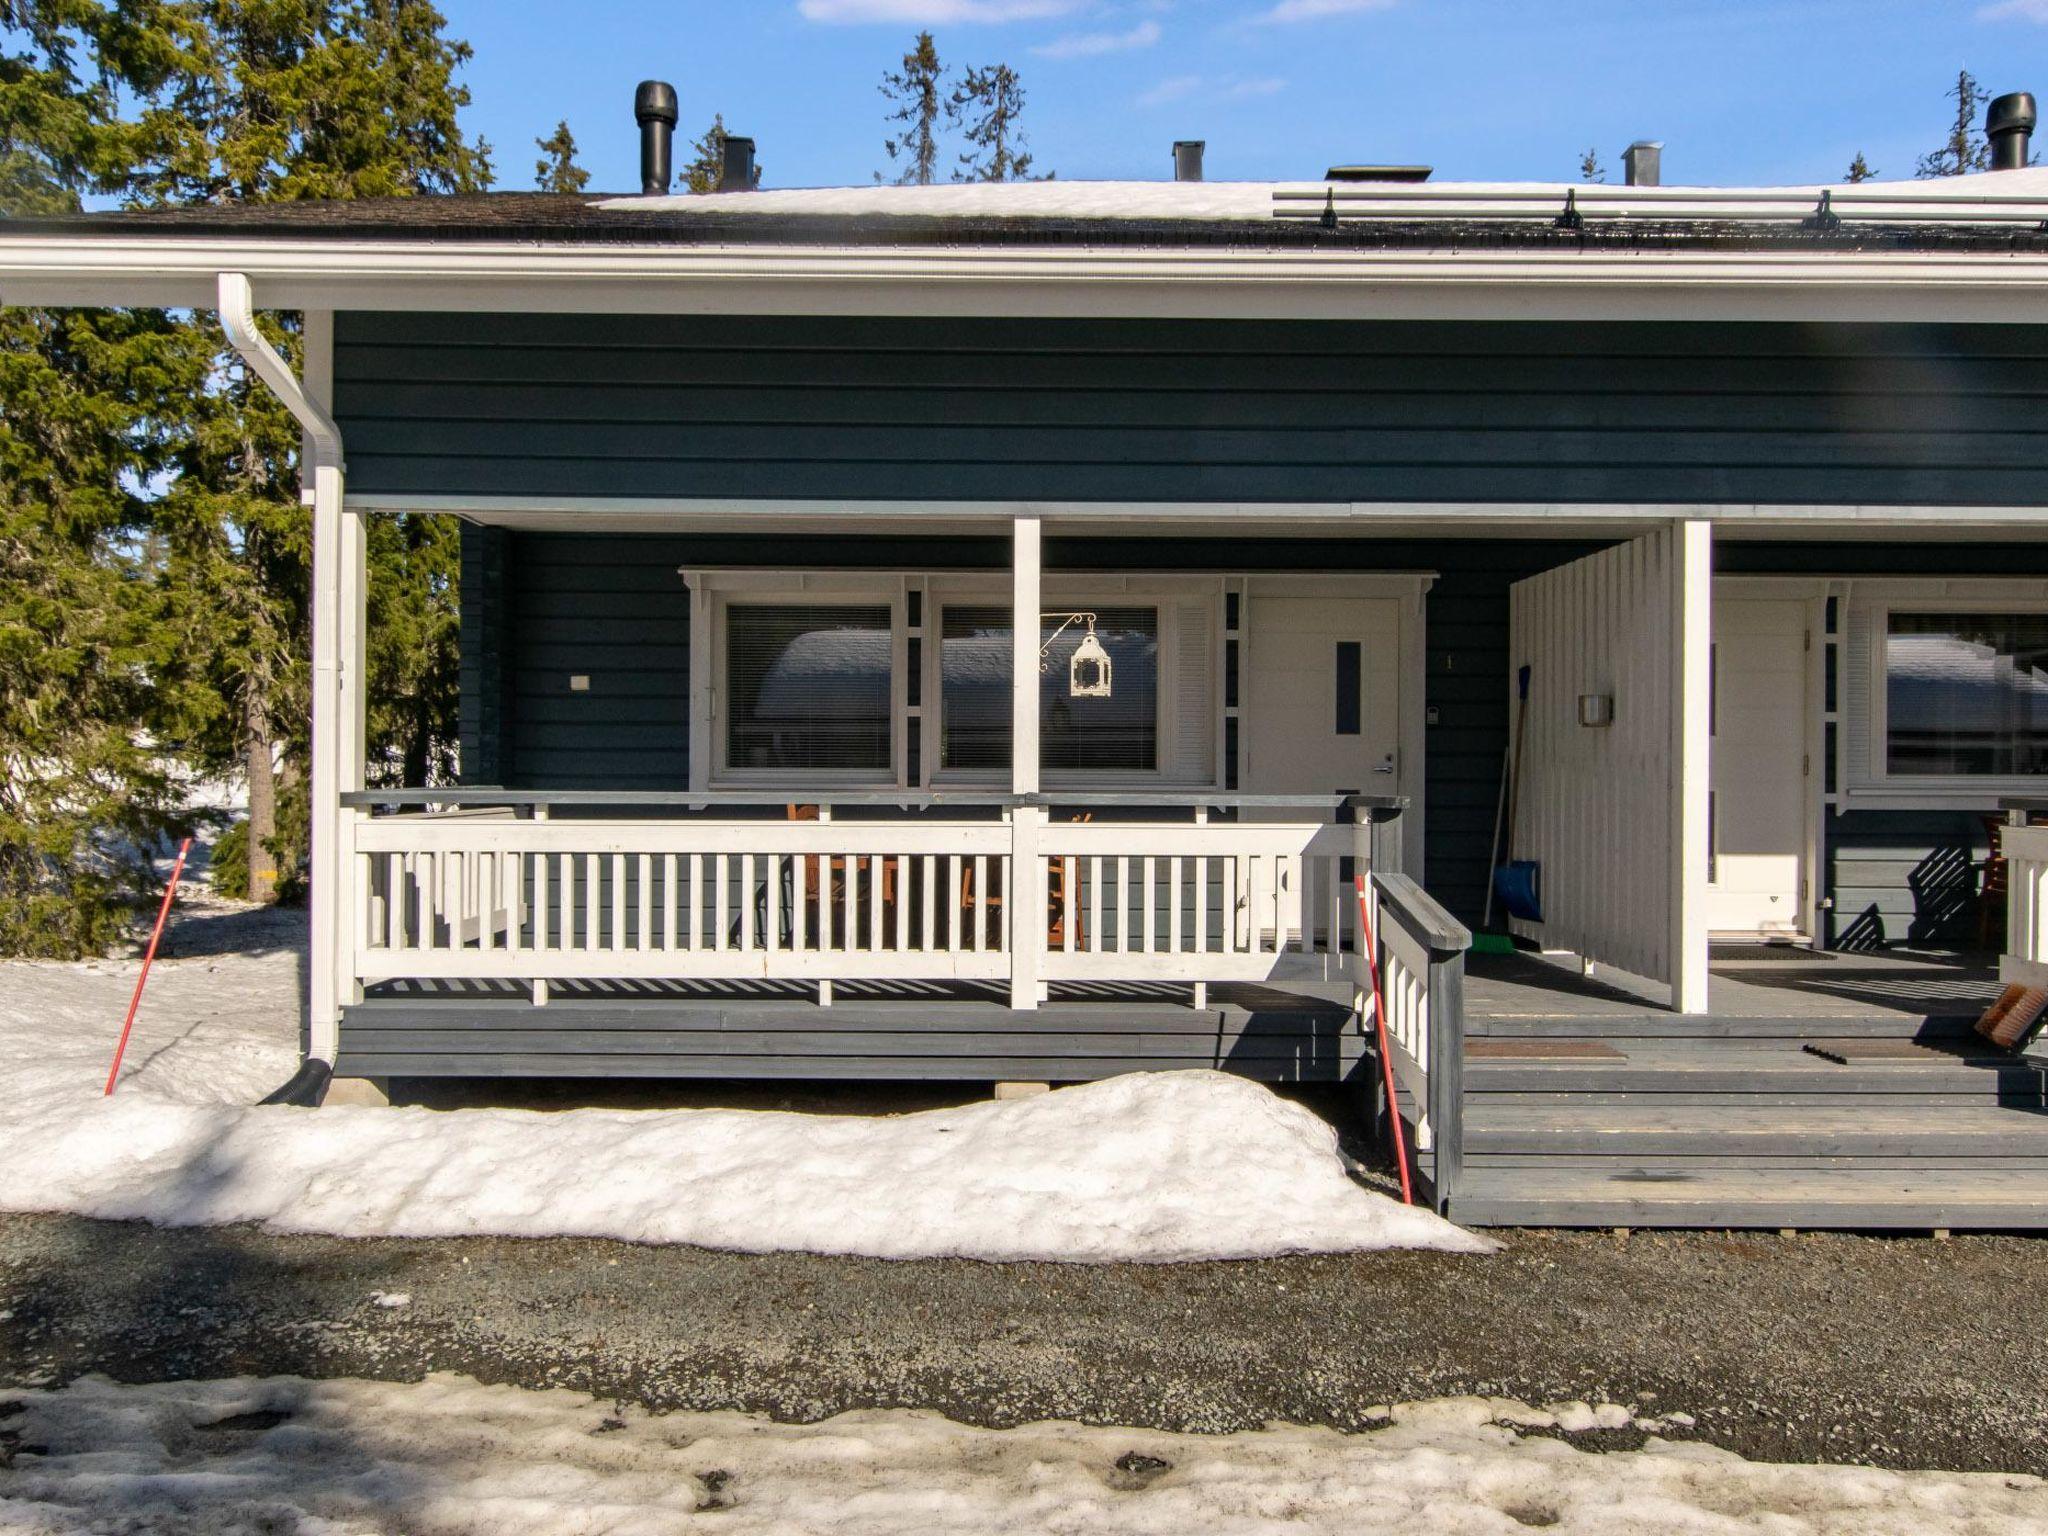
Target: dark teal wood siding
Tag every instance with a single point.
(847, 408)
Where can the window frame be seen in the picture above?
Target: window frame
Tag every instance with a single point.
(714, 598)
(1060, 594)
(1871, 783)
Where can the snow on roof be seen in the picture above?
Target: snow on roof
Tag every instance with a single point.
(2001, 196)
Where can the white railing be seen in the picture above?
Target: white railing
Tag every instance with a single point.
(486, 894)
(444, 896)
(1419, 950)
(1196, 903)
(2025, 961)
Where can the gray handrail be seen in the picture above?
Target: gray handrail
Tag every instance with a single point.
(1424, 919)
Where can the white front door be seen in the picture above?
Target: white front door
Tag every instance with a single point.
(1320, 712)
(1322, 697)
(1759, 768)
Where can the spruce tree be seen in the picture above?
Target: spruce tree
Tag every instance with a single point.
(557, 170)
(987, 104)
(1859, 169)
(1967, 149)
(84, 799)
(707, 158)
(917, 94)
(298, 99)
(1590, 168)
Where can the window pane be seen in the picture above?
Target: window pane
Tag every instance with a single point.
(1967, 694)
(1116, 734)
(807, 686)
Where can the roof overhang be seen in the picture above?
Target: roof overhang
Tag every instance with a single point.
(1083, 281)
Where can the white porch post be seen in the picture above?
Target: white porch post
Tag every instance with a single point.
(1691, 683)
(1026, 901)
(339, 575)
(338, 579)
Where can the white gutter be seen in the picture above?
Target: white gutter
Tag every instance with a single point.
(472, 276)
(238, 318)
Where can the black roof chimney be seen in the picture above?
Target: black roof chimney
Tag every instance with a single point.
(737, 171)
(2009, 125)
(654, 109)
(1187, 159)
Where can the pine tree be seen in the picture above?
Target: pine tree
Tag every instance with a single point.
(1967, 149)
(1859, 169)
(917, 91)
(987, 104)
(707, 158)
(1590, 168)
(557, 170)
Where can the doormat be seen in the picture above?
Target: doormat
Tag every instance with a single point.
(1541, 1050)
(1856, 1052)
(1780, 952)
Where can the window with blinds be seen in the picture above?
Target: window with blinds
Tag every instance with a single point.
(807, 686)
(1119, 734)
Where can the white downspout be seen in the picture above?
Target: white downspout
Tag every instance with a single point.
(338, 591)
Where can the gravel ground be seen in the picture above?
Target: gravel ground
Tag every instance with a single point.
(1901, 1352)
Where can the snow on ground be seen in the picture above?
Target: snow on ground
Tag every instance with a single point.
(449, 1457)
(1148, 1168)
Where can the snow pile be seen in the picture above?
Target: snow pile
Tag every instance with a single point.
(448, 1457)
(1150, 1167)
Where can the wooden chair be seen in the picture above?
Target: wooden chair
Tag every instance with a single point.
(1055, 902)
(832, 887)
(1992, 888)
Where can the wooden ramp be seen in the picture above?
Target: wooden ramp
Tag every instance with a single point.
(1734, 1122)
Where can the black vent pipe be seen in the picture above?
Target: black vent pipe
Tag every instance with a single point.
(2009, 125)
(654, 109)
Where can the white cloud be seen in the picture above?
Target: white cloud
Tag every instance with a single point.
(1082, 45)
(1228, 88)
(1288, 11)
(1177, 88)
(1239, 90)
(2026, 10)
(932, 12)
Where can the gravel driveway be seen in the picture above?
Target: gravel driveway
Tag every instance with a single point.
(1902, 1352)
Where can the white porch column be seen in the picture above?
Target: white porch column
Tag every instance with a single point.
(1026, 900)
(339, 574)
(1691, 685)
(338, 580)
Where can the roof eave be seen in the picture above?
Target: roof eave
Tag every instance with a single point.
(1143, 281)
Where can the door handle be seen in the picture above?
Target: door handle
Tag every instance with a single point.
(1387, 766)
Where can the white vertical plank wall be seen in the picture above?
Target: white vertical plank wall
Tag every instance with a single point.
(1616, 814)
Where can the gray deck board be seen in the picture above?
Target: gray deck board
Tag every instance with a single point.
(1849, 1198)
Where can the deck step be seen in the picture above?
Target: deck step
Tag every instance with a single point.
(1649, 1195)
(1501, 1127)
(1668, 1026)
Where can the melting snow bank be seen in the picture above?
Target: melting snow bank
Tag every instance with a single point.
(449, 1456)
(1152, 1167)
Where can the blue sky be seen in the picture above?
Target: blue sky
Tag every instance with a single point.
(1738, 90)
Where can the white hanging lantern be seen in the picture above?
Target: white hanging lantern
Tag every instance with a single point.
(1088, 669)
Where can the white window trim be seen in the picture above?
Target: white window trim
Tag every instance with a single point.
(1161, 594)
(1869, 784)
(713, 594)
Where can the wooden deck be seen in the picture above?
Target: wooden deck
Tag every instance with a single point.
(1583, 1108)
(874, 1031)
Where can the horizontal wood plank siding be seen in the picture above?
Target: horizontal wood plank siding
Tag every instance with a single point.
(995, 409)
